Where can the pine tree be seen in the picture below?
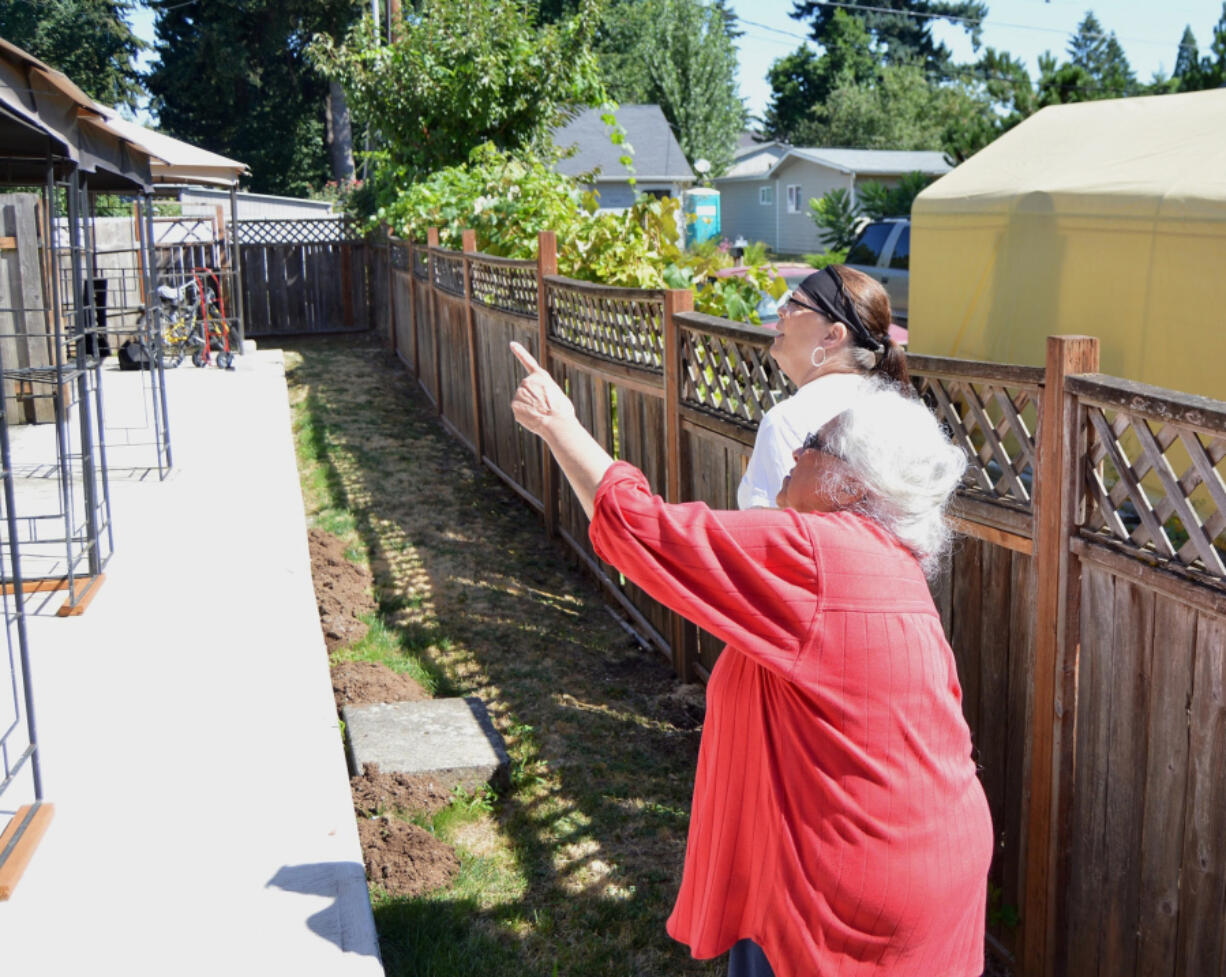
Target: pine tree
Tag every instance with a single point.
(1103, 60)
(1187, 61)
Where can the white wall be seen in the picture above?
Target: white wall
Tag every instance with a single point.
(741, 213)
(797, 232)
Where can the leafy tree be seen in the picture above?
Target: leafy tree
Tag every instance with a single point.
(803, 79)
(233, 77)
(459, 75)
(91, 41)
(679, 55)
(796, 82)
(898, 112)
(836, 216)
(901, 29)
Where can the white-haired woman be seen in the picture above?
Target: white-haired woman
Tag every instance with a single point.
(833, 333)
(837, 824)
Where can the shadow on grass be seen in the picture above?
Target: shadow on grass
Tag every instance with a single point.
(602, 758)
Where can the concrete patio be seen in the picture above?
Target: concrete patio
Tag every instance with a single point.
(203, 821)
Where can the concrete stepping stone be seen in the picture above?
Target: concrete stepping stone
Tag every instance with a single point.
(451, 740)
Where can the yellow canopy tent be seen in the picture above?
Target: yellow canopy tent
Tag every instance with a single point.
(1102, 218)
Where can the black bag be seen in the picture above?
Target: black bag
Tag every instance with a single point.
(134, 355)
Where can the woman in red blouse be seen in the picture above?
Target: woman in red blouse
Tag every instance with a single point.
(838, 828)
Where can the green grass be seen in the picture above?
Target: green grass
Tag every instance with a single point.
(572, 869)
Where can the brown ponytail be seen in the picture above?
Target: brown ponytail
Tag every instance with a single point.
(873, 306)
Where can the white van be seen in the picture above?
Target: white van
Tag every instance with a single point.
(882, 249)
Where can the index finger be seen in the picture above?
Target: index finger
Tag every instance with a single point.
(524, 357)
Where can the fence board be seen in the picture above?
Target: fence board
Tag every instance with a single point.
(1202, 899)
(513, 452)
(1166, 776)
(1134, 609)
(990, 733)
(1087, 876)
(455, 395)
(1011, 832)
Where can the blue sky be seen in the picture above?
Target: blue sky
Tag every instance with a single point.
(1148, 31)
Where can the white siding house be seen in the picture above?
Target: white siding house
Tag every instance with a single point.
(765, 194)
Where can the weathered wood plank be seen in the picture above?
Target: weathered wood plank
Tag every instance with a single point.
(1202, 884)
(1012, 830)
(991, 732)
(1190, 410)
(1171, 655)
(968, 605)
(1083, 924)
(1124, 775)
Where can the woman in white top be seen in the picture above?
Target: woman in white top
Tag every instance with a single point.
(833, 331)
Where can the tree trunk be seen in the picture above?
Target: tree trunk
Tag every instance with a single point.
(340, 135)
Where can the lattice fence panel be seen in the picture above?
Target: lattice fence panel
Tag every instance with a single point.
(400, 257)
(996, 426)
(1158, 488)
(510, 288)
(449, 273)
(421, 263)
(732, 379)
(319, 230)
(624, 330)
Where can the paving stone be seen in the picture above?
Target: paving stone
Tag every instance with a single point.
(451, 740)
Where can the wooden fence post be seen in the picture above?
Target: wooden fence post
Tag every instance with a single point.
(675, 300)
(469, 238)
(1056, 642)
(413, 307)
(432, 242)
(391, 289)
(546, 264)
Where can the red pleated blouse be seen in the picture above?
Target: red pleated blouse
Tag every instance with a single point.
(837, 820)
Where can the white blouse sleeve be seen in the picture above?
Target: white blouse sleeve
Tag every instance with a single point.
(770, 462)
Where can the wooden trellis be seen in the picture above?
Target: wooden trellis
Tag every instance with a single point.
(727, 370)
(448, 271)
(991, 413)
(316, 230)
(504, 284)
(618, 324)
(1153, 478)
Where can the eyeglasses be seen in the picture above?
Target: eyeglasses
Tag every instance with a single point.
(815, 442)
(793, 307)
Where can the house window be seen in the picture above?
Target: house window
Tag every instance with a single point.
(766, 196)
(794, 198)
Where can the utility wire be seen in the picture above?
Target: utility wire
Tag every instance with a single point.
(966, 20)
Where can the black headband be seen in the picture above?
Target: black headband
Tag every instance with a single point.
(826, 291)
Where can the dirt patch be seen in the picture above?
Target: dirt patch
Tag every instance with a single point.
(685, 706)
(342, 590)
(359, 683)
(403, 859)
(378, 792)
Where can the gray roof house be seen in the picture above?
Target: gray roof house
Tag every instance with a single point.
(765, 194)
(660, 168)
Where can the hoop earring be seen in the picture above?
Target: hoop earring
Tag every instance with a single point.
(817, 364)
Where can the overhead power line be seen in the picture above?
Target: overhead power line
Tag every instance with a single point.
(986, 22)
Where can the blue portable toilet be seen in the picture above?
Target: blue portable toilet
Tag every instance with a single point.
(701, 215)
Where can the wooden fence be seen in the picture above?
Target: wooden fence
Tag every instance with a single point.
(1085, 600)
(307, 276)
